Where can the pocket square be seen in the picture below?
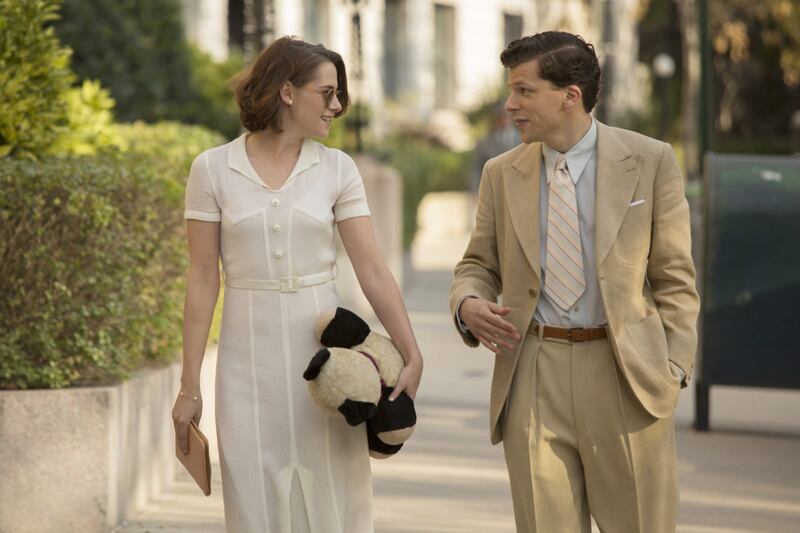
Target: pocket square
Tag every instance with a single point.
(636, 202)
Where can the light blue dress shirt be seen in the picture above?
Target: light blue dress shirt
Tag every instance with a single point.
(588, 310)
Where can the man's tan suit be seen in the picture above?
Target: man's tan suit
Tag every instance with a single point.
(643, 261)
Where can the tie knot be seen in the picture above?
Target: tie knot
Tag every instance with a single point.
(561, 162)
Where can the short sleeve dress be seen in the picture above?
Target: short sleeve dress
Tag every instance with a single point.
(287, 467)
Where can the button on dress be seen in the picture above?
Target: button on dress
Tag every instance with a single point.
(287, 467)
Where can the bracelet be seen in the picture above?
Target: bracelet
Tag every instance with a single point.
(194, 398)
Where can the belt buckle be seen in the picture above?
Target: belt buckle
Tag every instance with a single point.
(289, 284)
(570, 334)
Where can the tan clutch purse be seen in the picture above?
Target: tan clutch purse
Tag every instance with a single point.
(197, 461)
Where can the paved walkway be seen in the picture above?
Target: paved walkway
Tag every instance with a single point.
(741, 477)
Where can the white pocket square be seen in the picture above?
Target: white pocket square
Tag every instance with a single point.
(636, 202)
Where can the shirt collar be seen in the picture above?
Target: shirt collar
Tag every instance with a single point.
(577, 157)
(238, 160)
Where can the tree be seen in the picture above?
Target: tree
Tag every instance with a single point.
(135, 48)
(756, 47)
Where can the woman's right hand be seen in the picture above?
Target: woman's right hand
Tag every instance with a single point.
(185, 410)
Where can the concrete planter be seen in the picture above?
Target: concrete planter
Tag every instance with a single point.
(81, 459)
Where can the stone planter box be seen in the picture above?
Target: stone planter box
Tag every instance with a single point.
(81, 459)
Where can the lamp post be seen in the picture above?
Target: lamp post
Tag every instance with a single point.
(358, 73)
(706, 81)
(608, 40)
(664, 69)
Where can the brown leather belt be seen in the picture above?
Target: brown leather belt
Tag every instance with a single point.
(571, 334)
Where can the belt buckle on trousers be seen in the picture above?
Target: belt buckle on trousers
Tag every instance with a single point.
(575, 335)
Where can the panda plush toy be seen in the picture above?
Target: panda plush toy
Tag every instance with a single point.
(353, 376)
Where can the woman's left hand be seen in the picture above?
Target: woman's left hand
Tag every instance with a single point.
(408, 380)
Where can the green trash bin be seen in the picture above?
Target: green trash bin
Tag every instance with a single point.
(750, 319)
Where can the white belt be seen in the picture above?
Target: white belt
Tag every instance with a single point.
(286, 284)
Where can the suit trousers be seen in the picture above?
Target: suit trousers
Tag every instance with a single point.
(578, 443)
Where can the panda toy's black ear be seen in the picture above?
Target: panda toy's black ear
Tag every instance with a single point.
(315, 365)
(345, 330)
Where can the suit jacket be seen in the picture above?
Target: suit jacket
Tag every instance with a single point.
(643, 256)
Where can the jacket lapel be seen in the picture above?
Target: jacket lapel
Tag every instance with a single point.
(617, 175)
(522, 193)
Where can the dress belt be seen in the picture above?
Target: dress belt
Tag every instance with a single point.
(285, 284)
(571, 334)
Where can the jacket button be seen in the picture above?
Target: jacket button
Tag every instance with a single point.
(276, 202)
(532, 292)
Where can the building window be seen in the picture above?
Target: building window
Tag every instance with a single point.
(394, 47)
(512, 27)
(236, 24)
(444, 55)
(316, 17)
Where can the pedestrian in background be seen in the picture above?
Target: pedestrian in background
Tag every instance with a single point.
(584, 231)
(501, 137)
(266, 204)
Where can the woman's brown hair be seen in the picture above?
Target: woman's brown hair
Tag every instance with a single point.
(286, 59)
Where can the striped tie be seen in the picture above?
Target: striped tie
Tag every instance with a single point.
(564, 281)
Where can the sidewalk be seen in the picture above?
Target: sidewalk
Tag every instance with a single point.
(741, 477)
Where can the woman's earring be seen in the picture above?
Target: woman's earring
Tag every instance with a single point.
(289, 101)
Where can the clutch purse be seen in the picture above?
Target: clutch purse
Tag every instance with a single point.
(197, 461)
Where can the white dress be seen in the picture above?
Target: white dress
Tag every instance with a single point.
(287, 467)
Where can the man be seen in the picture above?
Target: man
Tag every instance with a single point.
(584, 230)
(502, 136)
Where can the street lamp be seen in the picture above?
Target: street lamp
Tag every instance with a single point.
(358, 73)
(664, 69)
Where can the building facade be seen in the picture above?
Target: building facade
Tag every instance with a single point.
(424, 63)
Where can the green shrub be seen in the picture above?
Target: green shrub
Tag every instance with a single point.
(425, 167)
(92, 259)
(171, 145)
(342, 134)
(215, 105)
(137, 49)
(90, 121)
(34, 77)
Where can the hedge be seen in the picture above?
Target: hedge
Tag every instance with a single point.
(92, 259)
(425, 167)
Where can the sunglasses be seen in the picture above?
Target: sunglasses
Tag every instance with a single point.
(328, 94)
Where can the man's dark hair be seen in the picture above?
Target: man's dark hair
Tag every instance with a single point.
(564, 59)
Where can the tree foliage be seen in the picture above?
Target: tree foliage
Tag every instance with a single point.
(34, 77)
(136, 48)
(756, 48)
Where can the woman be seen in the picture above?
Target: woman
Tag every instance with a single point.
(266, 203)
